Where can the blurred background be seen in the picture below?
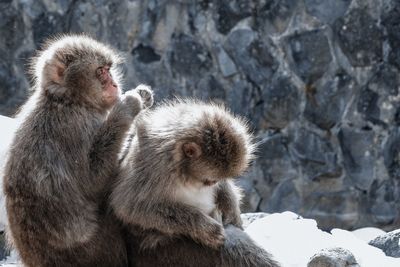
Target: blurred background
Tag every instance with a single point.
(317, 79)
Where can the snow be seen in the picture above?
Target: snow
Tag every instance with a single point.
(293, 241)
(368, 233)
(8, 127)
(11, 261)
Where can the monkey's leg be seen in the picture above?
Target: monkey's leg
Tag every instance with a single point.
(106, 249)
(178, 252)
(228, 203)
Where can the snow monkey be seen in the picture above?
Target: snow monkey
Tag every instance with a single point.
(64, 155)
(174, 191)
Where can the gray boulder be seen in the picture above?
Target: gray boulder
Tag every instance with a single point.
(333, 257)
(389, 243)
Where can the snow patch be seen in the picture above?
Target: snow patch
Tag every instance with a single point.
(8, 127)
(368, 233)
(294, 240)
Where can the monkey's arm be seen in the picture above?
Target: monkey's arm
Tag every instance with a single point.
(108, 141)
(172, 219)
(109, 138)
(228, 203)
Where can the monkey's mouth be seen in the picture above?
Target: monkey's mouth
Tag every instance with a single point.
(209, 182)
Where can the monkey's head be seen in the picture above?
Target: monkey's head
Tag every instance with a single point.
(211, 144)
(78, 69)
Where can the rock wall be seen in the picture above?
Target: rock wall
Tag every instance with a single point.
(318, 79)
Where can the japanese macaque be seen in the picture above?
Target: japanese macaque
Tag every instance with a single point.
(64, 157)
(174, 191)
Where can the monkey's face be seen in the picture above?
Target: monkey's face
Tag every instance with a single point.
(92, 80)
(196, 169)
(109, 88)
(214, 158)
(80, 70)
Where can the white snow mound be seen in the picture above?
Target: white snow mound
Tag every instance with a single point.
(293, 241)
(8, 127)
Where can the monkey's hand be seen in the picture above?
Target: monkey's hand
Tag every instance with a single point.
(233, 218)
(132, 103)
(210, 233)
(138, 99)
(146, 94)
(228, 203)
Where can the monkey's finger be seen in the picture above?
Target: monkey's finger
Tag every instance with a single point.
(146, 93)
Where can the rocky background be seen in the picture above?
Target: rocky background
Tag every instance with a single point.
(317, 79)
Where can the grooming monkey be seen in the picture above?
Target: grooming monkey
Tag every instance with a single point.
(64, 155)
(174, 192)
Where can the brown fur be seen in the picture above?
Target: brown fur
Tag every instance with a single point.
(174, 191)
(65, 154)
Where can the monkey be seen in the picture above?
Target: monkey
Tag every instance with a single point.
(174, 192)
(64, 156)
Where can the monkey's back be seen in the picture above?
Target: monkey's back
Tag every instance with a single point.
(49, 150)
(44, 180)
(64, 156)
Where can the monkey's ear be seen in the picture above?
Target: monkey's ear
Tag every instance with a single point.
(54, 70)
(191, 150)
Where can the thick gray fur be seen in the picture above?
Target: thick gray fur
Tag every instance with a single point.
(65, 156)
(179, 145)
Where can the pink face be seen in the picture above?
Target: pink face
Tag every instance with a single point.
(110, 92)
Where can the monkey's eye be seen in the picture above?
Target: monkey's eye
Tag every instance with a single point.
(103, 74)
(99, 71)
